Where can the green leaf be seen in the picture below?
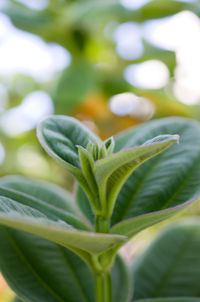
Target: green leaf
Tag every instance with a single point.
(171, 265)
(170, 300)
(26, 218)
(59, 135)
(160, 9)
(27, 19)
(39, 270)
(112, 171)
(84, 205)
(47, 198)
(132, 226)
(122, 285)
(42, 190)
(16, 299)
(86, 162)
(170, 181)
(76, 81)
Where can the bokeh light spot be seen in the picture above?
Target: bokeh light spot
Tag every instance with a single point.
(152, 74)
(26, 116)
(133, 4)
(130, 104)
(2, 154)
(35, 4)
(128, 41)
(31, 55)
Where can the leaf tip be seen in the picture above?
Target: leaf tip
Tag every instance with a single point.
(176, 138)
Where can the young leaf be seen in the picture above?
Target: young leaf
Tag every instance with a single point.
(112, 171)
(86, 162)
(84, 205)
(59, 135)
(40, 270)
(171, 265)
(25, 218)
(130, 227)
(170, 181)
(109, 145)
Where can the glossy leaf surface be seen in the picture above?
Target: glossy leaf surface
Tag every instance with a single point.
(25, 218)
(43, 191)
(112, 171)
(164, 182)
(162, 186)
(122, 284)
(39, 196)
(40, 270)
(132, 226)
(171, 265)
(60, 135)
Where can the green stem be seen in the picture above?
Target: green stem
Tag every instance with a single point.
(103, 288)
(108, 287)
(99, 288)
(101, 225)
(103, 278)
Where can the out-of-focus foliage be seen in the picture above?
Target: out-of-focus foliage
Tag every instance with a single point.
(96, 72)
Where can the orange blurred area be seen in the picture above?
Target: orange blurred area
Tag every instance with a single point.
(6, 295)
(95, 113)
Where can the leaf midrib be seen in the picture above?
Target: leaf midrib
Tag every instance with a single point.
(39, 205)
(83, 293)
(156, 160)
(182, 183)
(131, 200)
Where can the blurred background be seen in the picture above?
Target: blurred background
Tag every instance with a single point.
(110, 63)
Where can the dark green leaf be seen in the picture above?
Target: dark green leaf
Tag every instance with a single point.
(41, 190)
(121, 282)
(170, 181)
(171, 265)
(39, 270)
(16, 299)
(112, 171)
(26, 218)
(47, 198)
